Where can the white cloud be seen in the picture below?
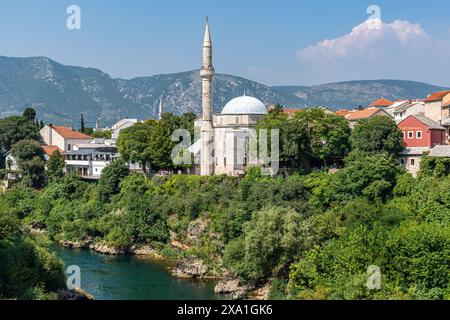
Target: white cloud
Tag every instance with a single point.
(397, 50)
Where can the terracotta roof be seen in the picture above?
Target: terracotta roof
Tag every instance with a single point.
(363, 114)
(343, 112)
(437, 96)
(50, 149)
(382, 102)
(68, 133)
(291, 112)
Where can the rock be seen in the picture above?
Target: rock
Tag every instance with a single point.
(234, 287)
(101, 248)
(196, 228)
(74, 294)
(191, 268)
(145, 251)
(261, 293)
(179, 245)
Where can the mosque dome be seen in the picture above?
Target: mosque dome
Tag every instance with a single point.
(244, 105)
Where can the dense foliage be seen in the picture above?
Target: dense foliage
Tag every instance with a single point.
(310, 235)
(28, 270)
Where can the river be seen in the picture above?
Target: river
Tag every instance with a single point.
(132, 278)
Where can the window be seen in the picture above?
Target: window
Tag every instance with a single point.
(410, 134)
(413, 162)
(419, 135)
(68, 147)
(402, 161)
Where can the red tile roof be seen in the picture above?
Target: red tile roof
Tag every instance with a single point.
(436, 96)
(363, 114)
(343, 112)
(291, 112)
(50, 149)
(68, 133)
(382, 102)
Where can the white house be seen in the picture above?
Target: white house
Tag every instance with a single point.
(122, 124)
(410, 109)
(63, 137)
(89, 159)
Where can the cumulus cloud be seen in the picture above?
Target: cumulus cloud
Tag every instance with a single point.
(375, 50)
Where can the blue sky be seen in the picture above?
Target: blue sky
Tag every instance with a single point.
(274, 42)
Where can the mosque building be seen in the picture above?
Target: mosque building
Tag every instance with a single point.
(226, 139)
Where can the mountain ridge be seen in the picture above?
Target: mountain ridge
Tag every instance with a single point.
(60, 93)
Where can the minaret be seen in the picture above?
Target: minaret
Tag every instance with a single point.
(207, 132)
(160, 108)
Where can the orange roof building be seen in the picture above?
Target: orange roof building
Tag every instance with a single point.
(62, 138)
(48, 150)
(381, 103)
(354, 116)
(437, 96)
(291, 112)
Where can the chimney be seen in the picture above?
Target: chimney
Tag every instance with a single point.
(50, 134)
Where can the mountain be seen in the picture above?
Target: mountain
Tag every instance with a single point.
(352, 94)
(60, 93)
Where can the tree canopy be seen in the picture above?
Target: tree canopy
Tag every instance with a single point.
(377, 135)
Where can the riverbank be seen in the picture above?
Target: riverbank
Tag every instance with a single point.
(127, 277)
(184, 269)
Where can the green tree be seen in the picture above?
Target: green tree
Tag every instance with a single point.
(377, 135)
(271, 240)
(371, 176)
(82, 127)
(30, 160)
(112, 176)
(133, 143)
(16, 128)
(30, 114)
(294, 142)
(330, 134)
(55, 166)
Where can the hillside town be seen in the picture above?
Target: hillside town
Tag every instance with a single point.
(425, 124)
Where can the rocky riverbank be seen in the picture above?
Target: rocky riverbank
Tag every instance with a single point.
(102, 248)
(75, 294)
(188, 268)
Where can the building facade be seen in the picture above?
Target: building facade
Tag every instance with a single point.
(225, 139)
(420, 131)
(63, 137)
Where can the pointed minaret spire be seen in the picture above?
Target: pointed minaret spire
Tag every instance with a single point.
(207, 131)
(207, 40)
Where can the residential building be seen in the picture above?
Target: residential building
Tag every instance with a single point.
(119, 126)
(395, 106)
(410, 109)
(354, 116)
(420, 131)
(89, 159)
(410, 158)
(292, 112)
(437, 106)
(381, 103)
(63, 137)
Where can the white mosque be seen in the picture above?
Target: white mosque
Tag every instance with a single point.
(226, 139)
